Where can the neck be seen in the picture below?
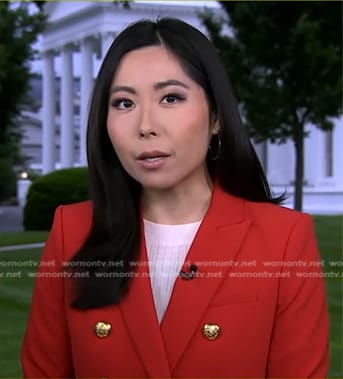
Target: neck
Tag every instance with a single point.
(177, 205)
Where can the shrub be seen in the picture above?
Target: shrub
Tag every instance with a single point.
(8, 180)
(49, 191)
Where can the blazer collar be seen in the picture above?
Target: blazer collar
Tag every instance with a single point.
(219, 238)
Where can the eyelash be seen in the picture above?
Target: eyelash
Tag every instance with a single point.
(116, 102)
(176, 96)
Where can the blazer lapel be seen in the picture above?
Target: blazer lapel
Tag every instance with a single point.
(218, 240)
(138, 311)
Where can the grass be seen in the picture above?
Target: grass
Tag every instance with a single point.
(16, 295)
(19, 238)
(14, 305)
(329, 231)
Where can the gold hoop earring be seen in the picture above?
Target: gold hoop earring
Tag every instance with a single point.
(214, 149)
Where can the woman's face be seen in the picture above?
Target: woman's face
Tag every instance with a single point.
(158, 120)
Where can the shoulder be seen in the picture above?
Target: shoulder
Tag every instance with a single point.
(277, 233)
(238, 209)
(73, 223)
(82, 210)
(77, 215)
(266, 219)
(274, 216)
(277, 225)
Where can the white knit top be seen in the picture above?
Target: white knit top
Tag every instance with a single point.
(167, 247)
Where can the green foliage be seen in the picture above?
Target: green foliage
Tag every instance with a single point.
(49, 191)
(285, 62)
(8, 180)
(19, 29)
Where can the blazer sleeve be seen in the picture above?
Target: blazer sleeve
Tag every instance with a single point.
(46, 350)
(300, 340)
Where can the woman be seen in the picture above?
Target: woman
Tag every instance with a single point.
(182, 264)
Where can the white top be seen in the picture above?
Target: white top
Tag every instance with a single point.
(167, 247)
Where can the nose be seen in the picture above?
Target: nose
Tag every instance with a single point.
(146, 134)
(147, 124)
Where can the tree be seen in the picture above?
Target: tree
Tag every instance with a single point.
(20, 25)
(285, 62)
(19, 29)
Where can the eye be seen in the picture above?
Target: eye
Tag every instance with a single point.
(172, 98)
(122, 104)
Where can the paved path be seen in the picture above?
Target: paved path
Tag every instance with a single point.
(22, 247)
(11, 219)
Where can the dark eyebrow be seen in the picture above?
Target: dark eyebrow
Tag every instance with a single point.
(157, 86)
(124, 89)
(171, 82)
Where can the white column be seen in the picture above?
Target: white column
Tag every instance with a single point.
(261, 151)
(48, 113)
(280, 163)
(86, 89)
(106, 41)
(23, 186)
(67, 108)
(314, 156)
(338, 153)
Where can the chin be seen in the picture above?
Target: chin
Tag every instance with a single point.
(158, 184)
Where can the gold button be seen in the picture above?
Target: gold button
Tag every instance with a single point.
(102, 329)
(211, 331)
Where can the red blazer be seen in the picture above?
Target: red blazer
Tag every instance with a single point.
(251, 260)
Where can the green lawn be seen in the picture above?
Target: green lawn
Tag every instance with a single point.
(330, 237)
(16, 295)
(19, 238)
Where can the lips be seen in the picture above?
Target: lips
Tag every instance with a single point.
(152, 155)
(153, 160)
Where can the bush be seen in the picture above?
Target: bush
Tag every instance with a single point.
(49, 191)
(8, 180)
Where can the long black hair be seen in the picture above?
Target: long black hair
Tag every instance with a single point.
(115, 236)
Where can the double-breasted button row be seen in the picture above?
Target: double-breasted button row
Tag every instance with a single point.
(210, 331)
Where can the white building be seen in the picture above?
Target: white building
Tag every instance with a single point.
(76, 40)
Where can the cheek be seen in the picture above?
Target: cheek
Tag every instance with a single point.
(119, 145)
(116, 136)
(121, 130)
(112, 135)
(197, 127)
(121, 141)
